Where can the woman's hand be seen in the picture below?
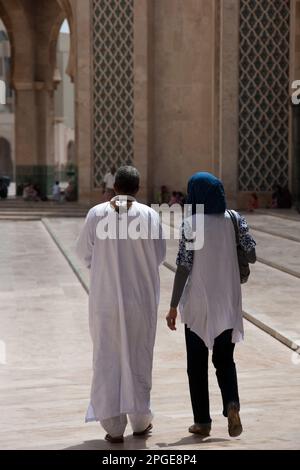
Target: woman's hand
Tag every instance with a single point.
(171, 318)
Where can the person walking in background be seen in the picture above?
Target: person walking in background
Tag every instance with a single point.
(207, 285)
(109, 183)
(123, 302)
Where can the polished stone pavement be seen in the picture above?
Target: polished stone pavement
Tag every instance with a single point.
(45, 381)
(276, 225)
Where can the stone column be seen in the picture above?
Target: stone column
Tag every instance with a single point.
(34, 112)
(83, 98)
(143, 95)
(26, 132)
(45, 135)
(229, 98)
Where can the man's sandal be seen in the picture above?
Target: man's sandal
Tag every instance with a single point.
(114, 440)
(145, 432)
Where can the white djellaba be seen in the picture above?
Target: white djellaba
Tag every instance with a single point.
(123, 303)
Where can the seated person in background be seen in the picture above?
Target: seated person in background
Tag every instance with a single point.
(173, 199)
(177, 198)
(39, 193)
(285, 201)
(164, 195)
(275, 196)
(281, 198)
(56, 192)
(29, 193)
(253, 202)
(3, 189)
(181, 198)
(70, 192)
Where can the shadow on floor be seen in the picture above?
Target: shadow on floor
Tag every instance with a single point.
(133, 443)
(130, 443)
(192, 440)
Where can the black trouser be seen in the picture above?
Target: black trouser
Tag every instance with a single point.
(197, 368)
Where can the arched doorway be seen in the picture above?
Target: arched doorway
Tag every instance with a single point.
(64, 110)
(33, 77)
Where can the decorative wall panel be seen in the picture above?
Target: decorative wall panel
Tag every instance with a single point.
(264, 94)
(113, 85)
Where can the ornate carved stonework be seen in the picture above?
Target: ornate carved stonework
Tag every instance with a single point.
(264, 94)
(113, 85)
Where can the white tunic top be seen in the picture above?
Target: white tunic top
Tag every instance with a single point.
(123, 302)
(211, 302)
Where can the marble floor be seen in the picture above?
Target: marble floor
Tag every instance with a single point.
(45, 380)
(276, 225)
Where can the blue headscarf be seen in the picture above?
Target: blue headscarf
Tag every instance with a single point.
(205, 188)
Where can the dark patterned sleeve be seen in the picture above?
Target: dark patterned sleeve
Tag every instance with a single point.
(246, 240)
(185, 257)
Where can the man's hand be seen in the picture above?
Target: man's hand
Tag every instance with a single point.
(171, 318)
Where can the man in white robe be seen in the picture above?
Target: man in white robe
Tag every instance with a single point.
(123, 303)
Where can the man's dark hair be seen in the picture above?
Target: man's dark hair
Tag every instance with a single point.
(127, 180)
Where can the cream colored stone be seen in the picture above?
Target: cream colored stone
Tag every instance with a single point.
(83, 80)
(143, 94)
(45, 384)
(186, 55)
(228, 110)
(183, 81)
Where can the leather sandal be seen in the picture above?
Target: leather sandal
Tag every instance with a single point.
(114, 440)
(145, 432)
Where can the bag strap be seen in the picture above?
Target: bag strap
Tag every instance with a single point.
(235, 225)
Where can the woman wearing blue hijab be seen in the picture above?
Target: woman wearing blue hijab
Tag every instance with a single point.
(205, 188)
(207, 290)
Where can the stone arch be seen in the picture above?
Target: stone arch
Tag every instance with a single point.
(6, 163)
(20, 32)
(22, 23)
(67, 7)
(8, 26)
(66, 12)
(33, 29)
